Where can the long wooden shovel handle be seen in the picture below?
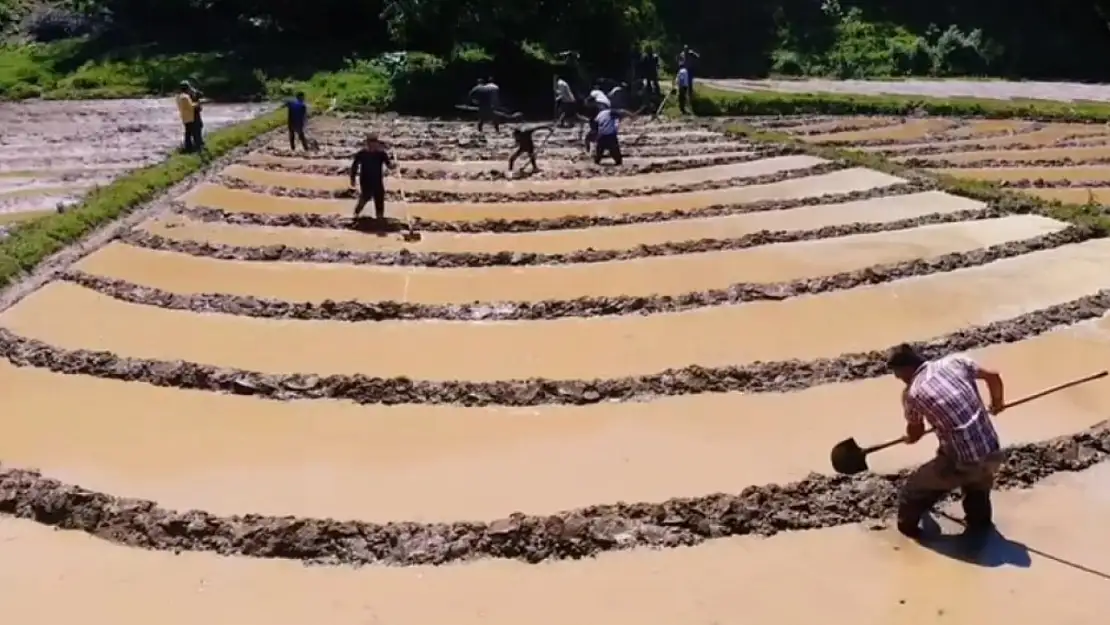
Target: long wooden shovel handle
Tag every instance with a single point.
(1017, 402)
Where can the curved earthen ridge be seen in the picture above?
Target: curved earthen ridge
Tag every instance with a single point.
(1041, 183)
(564, 222)
(757, 377)
(345, 140)
(1000, 163)
(816, 502)
(356, 311)
(939, 137)
(559, 172)
(501, 153)
(149, 240)
(1090, 141)
(559, 195)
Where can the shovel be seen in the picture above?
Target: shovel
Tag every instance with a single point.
(848, 458)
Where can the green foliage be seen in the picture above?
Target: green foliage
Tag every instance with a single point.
(33, 241)
(715, 102)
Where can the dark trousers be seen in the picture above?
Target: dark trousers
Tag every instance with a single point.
(371, 190)
(486, 114)
(567, 111)
(530, 151)
(608, 144)
(296, 131)
(190, 134)
(684, 99)
(936, 478)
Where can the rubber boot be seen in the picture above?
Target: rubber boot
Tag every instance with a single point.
(912, 506)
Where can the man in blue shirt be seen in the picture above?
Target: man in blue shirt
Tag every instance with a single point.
(298, 115)
(607, 123)
(682, 83)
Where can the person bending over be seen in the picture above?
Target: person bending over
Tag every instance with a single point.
(526, 144)
(943, 393)
(486, 95)
(607, 123)
(368, 167)
(298, 115)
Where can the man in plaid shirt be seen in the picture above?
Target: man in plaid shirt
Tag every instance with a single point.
(943, 394)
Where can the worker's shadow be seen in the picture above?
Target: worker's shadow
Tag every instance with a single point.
(376, 227)
(998, 550)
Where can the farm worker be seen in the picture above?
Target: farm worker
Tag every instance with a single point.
(598, 98)
(596, 102)
(618, 96)
(486, 95)
(187, 108)
(298, 115)
(682, 82)
(368, 167)
(649, 70)
(689, 59)
(607, 123)
(943, 394)
(565, 102)
(200, 101)
(526, 144)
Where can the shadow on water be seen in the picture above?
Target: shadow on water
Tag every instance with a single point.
(997, 552)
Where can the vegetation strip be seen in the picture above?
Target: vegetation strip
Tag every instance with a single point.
(446, 260)
(32, 242)
(563, 222)
(558, 195)
(757, 377)
(819, 501)
(558, 172)
(357, 311)
(502, 152)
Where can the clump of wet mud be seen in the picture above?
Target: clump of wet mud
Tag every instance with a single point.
(818, 501)
(558, 171)
(758, 377)
(563, 222)
(356, 311)
(502, 152)
(522, 195)
(993, 163)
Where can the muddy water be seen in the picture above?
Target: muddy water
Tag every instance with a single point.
(852, 575)
(233, 455)
(876, 210)
(262, 158)
(844, 181)
(910, 130)
(1093, 172)
(1045, 136)
(667, 275)
(615, 183)
(989, 126)
(822, 325)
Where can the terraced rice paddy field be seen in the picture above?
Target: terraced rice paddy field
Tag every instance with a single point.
(1054, 161)
(595, 394)
(52, 153)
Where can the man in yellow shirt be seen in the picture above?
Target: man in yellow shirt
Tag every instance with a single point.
(187, 107)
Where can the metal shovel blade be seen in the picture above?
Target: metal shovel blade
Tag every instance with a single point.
(848, 458)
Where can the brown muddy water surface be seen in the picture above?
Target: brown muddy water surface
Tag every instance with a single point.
(520, 493)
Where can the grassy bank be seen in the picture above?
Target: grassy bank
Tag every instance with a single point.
(709, 102)
(31, 242)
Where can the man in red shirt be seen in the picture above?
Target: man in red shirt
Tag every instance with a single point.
(943, 394)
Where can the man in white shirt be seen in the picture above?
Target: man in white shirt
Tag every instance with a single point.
(618, 96)
(598, 98)
(608, 127)
(565, 102)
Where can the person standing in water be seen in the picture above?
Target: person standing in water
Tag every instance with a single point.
(369, 168)
(486, 95)
(526, 144)
(298, 115)
(608, 126)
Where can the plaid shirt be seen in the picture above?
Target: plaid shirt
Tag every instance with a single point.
(943, 393)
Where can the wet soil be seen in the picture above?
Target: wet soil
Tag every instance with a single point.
(646, 137)
(566, 222)
(816, 502)
(502, 152)
(993, 163)
(560, 195)
(557, 171)
(1041, 183)
(356, 311)
(1086, 141)
(756, 377)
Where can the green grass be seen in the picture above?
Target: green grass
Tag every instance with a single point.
(34, 240)
(716, 102)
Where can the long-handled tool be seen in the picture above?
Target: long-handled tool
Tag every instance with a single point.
(848, 458)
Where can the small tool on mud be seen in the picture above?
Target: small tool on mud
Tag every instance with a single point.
(848, 458)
